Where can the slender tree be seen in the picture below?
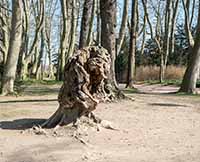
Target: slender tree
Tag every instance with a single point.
(123, 26)
(66, 10)
(132, 48)
(4, 30)
(14, 48)
(74, 23)
(39, 18)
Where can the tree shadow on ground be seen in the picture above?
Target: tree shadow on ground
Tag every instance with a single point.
(34, 100)
(168, 104)
(21, 124)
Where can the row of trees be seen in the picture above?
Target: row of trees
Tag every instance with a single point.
(38, 36)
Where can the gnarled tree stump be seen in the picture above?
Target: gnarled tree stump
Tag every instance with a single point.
(86, 83)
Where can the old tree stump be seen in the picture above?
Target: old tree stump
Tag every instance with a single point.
(86, 83)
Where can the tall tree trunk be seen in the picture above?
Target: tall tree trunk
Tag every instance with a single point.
(108, 35)
(64, 44)
(143, 40)
(90, 33)
(166, 49)
(98, 35)
(14, 48)
(132, 48)
(4, 31)
(190, 78)
(73, 29)
(186, 6)
(86, 23)
(39, 74)
(39, 17)
(175, 5)
(36, 60)
(123, 26)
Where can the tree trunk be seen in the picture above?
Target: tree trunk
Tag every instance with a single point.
(98, 34)
(123, 26)
(166, 49)
(190, 78)
(143, 41)
(36, 60)
(39, 75)
(174, 16)
(64, 42)
(108, 35)
(186, 6)
(4, 30)
(85, 84)
(39, 19)
(86, 23)
(132, 48)
(73, 29)
(91, 26)
(14, 49)
(162, 67)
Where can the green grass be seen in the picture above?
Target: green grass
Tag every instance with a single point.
(168, 82)
(165, 82)
(21, 85)
(182, 94)
(34, 81)
(130, 90)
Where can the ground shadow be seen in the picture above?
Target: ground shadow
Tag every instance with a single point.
(39, 100)
(168, 104)
(21, 124)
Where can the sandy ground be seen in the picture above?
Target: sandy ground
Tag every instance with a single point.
(156, 127)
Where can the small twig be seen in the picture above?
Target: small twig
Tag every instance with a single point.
(5, 8)
(81, 140)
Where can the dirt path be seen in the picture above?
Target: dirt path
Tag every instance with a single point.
(154, 128)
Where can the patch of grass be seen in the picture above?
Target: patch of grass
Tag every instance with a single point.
(176, 82)
(151, 82)
(41, 87)
(34, 81)
(186, 94)
(130, 90)
(165, 82)
(172, 82)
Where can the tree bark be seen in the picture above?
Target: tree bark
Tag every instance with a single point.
(4, 31)
(39, 17)
(186, 6)
(73, 29)
(123, 26)
(98, 34)
(64, 42)
(190, 77)
(166, 50)
(14, 49)
(132, 48)
(86, 23)
(108, 35)
(175, 5)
